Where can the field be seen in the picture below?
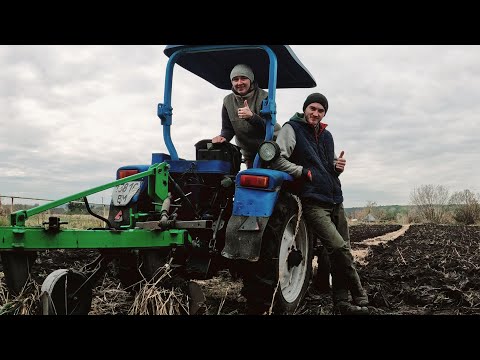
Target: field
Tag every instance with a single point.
(429, 269)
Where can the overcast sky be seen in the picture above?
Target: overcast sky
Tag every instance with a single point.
(71, 115)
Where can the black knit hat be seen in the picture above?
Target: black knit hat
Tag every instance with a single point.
(316, 98)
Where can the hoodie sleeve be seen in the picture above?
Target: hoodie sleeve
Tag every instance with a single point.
(257, 121)
(227, 129)
(286, 140)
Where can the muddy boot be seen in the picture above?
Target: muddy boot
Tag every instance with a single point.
(345, 308)
(360, 298)
(339, 296)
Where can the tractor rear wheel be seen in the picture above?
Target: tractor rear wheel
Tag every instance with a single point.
(280, 278)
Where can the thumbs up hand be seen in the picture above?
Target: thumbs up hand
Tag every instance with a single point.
(340, 164)
(245, 112)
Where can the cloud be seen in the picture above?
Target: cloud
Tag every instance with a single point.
(71, 115)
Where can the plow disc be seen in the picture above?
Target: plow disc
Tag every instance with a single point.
(17, 268)
(66, 292)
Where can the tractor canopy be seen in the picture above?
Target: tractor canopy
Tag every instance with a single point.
(274, 66)
(214, 65)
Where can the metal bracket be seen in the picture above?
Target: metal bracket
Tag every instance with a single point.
(165, 114)
(54, 224)
(250, 224)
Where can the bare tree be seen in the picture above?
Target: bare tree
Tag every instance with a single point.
(466, 207)
(431, 202)
(2, 211)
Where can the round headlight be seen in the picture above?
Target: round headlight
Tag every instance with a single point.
(269, 151)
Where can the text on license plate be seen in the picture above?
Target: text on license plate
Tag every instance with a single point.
(122, 194)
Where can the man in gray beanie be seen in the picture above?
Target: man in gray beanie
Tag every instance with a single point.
(307, 153)
(241, 114)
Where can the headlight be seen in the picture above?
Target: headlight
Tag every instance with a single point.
(269, 151)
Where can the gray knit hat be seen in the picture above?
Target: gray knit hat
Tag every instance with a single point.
(242, 70)
(316, 98)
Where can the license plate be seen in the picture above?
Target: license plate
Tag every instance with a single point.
(122, 194)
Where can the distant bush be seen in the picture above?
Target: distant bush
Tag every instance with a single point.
(431, 202)
(413, 216)
(465, 206)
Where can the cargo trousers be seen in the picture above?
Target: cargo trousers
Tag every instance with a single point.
(329, 224)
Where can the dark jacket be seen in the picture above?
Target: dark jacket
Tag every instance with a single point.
(314, 150)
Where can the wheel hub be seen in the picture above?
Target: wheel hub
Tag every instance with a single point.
(295, 257)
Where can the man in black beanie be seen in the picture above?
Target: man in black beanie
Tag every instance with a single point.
(307, 152)
(316, 98)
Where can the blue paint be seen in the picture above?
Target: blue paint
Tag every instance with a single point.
(258, 202)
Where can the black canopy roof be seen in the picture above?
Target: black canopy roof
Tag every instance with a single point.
(215, 66)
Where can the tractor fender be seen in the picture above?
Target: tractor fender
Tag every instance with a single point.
(243, 239)
(251, 210)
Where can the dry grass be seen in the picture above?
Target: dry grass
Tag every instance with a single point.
(110, 298)
(74, 221)
(221, 290)
(26, 303)
(152, 299)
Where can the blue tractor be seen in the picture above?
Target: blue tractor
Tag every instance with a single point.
(199, 216)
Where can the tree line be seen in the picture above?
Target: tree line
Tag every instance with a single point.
(428, 204)
(434, 204)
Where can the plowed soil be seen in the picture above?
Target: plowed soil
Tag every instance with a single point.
(431, 269)
(428, 269)
(416, 269)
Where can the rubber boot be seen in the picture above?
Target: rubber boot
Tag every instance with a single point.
(360, 297)
(346, 308)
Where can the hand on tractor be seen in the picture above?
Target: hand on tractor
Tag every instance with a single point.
(245, 112)
(340, 165)
(218, 139)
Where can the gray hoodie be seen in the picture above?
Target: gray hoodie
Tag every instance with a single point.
(249, 133)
